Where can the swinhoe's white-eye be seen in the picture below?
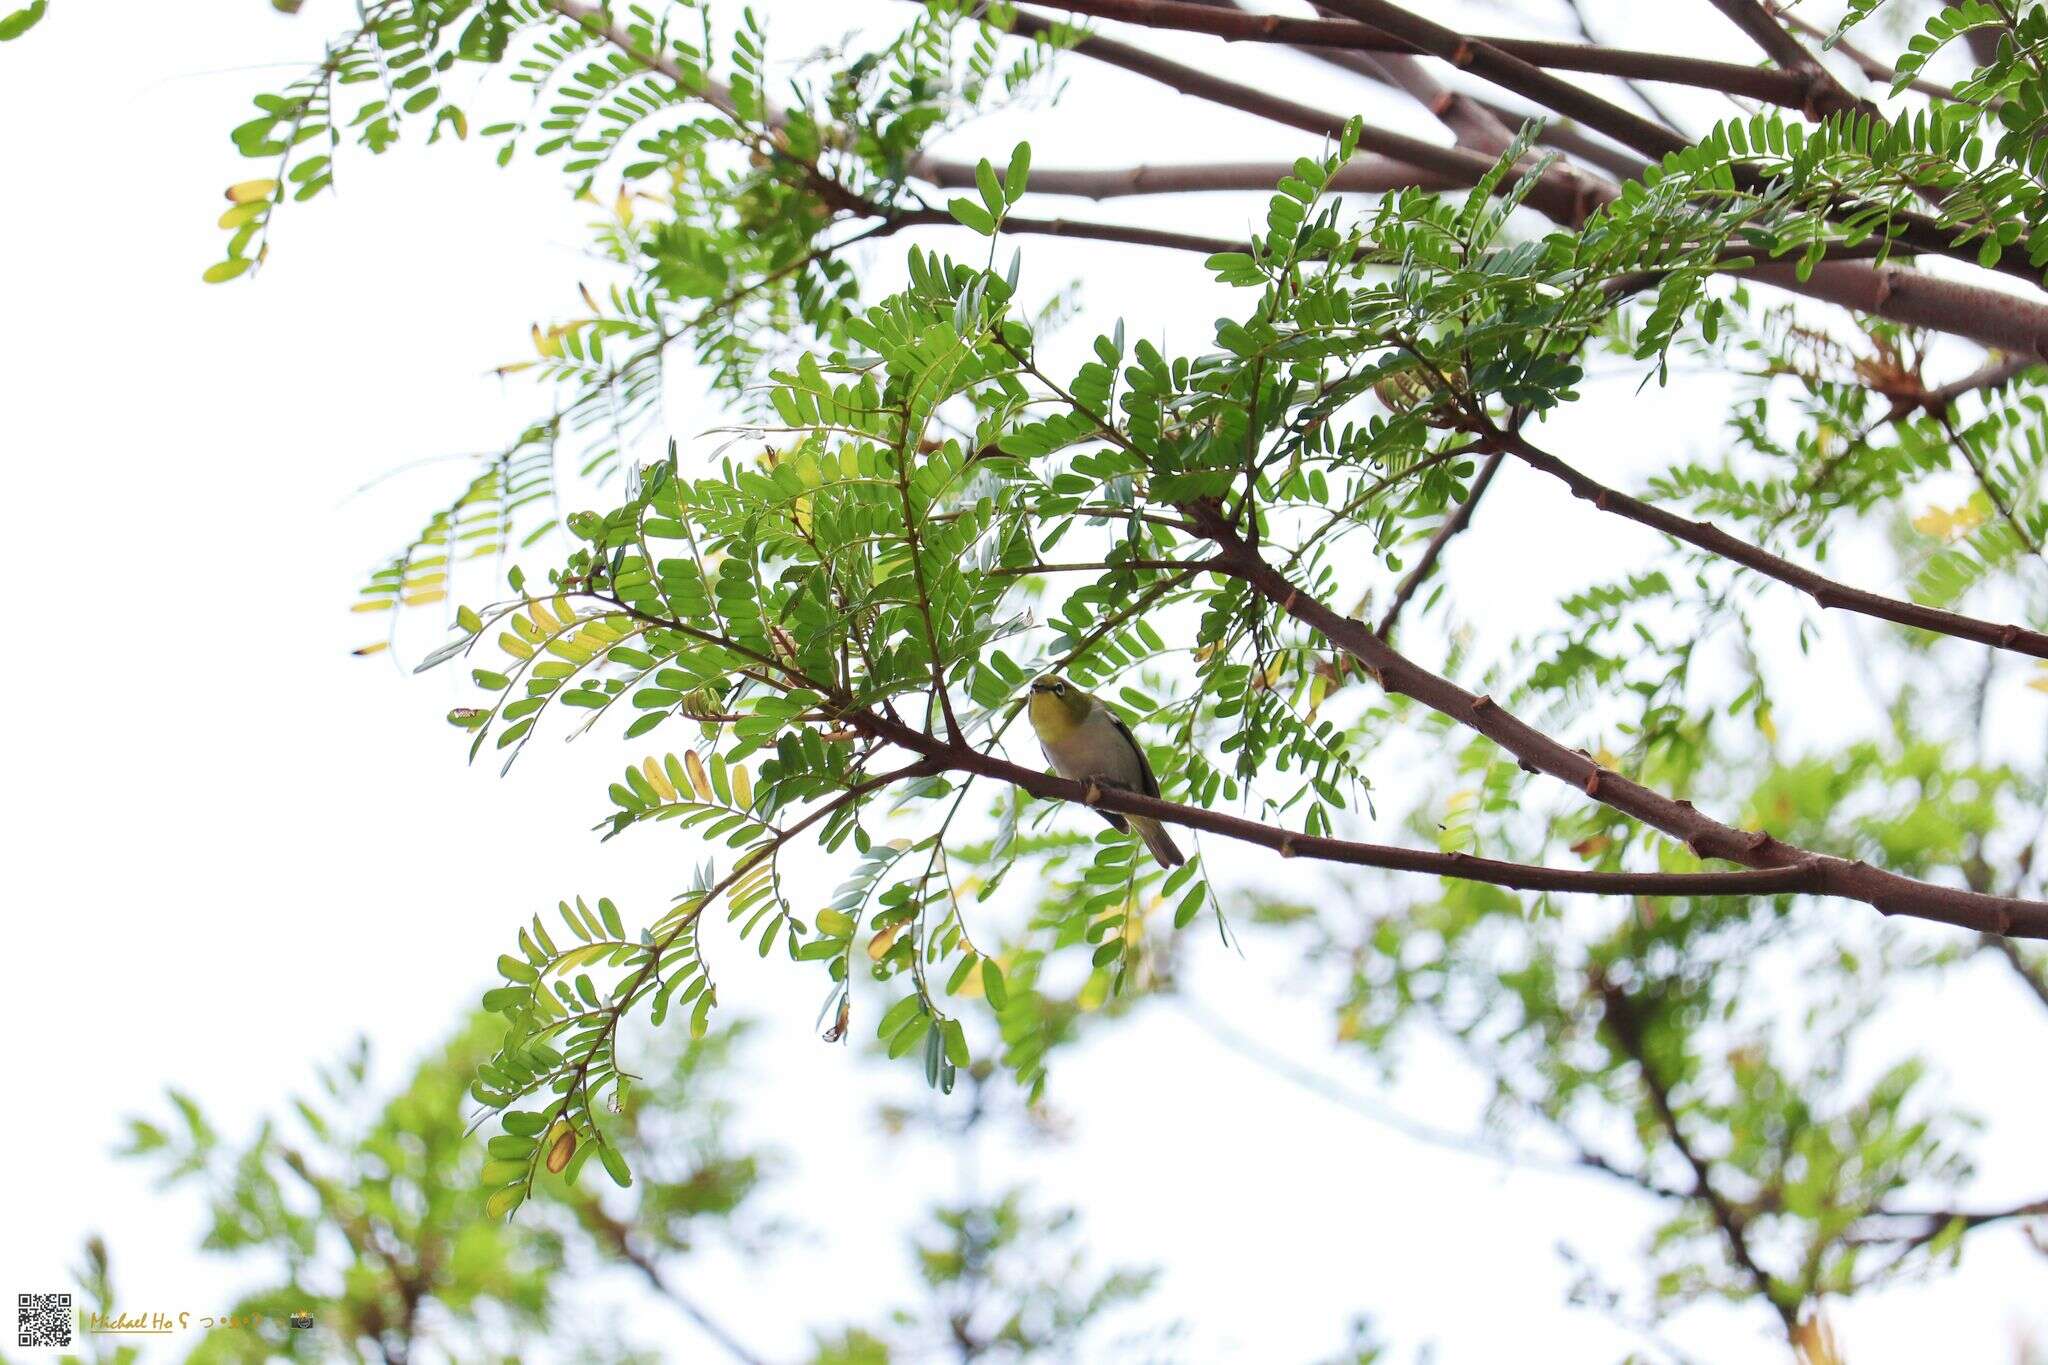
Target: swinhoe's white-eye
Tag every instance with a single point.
(1085, 741)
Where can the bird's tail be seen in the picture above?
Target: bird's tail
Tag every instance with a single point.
(1158, 840)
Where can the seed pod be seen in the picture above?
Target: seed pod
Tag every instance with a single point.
(562, 1149)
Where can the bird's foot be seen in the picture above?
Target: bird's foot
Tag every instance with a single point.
(1093, 796)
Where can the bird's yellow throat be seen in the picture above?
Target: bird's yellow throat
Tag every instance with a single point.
(1054, 717)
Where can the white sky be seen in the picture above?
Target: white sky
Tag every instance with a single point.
(229, 847)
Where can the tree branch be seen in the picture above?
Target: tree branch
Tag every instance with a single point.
(1458, 520)
(1707, 837)
(1783, 879)
(1457, 163)
(595, 19)
(1993, 372)
(1556, 133)
(1936, 1220)
(1992, 317)
(1652, 139)
(1626, 1026)
(1869, 65)
(2030, 976)
(1788, 88)
(1826, 591)
(1824, 94)
(620, 1239)
(1364, 175)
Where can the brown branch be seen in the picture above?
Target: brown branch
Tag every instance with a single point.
(1513, 73)
(1828, 592)
(1643, 97)
(1556, 133)
(1992, 492)
(1993, 372)
(1118, 232)
(1567, 198)
(1705, 836)
(2032, 977)
(619, 1238)
(1907, 230)
(1180, 566)
(1626, 1026)
(1824, 94)
(1458, 520)
(1983, 41)
(1786, 878)
(1992, 317)
(1937, 1220)
(1870, 66)
(1456, 163)
(1363, 175)
(1792, 89)
(718, 96)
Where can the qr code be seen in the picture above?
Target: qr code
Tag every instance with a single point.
(43, 1319)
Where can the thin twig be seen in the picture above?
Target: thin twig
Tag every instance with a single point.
(1458, 520)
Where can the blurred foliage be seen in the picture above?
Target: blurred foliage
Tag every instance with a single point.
(367, 1214)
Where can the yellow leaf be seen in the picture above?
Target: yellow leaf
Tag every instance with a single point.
(2039, 684)
(1942, 523)
(1767, 725)
(373, 604)
(378, 648)
(421, 599)
(878, 946)
(237, 214)
(1935, 522)
(220, 272)
(1094, 991)
(742, 788)
(250, 191)
(502, 1202)
(1606, 757)
(658, 779)
(698, 778)
(563, 610)
(548, 624)
(623, 207)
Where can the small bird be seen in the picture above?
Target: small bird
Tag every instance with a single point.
(1085, 741)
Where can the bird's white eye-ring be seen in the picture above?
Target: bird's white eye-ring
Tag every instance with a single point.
(1059, 689)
